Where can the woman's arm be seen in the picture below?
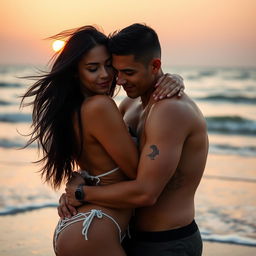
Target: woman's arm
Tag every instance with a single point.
(106, 125)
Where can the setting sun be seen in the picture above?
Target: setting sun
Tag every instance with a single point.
(58, 45)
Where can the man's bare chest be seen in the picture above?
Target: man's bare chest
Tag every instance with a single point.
(135, 119)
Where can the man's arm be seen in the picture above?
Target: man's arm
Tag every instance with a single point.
(166, 129)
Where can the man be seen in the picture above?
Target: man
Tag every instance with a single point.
(173, 147)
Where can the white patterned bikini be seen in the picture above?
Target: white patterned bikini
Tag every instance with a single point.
(87, 217)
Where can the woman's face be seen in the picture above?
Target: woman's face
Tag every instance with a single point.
(95, 70)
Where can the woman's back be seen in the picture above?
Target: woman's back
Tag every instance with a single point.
(103, 138)
(106, 144)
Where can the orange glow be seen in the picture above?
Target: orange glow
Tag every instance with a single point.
(192, 32)
(57, 45)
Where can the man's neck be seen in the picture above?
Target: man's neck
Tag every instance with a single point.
(146, 97)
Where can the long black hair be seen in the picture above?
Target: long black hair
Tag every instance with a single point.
(57, 97)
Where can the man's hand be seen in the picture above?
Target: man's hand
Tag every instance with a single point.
(169, 85)
(65, 210)
(71, 187)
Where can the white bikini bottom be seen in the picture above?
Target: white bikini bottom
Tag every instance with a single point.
(87, 218)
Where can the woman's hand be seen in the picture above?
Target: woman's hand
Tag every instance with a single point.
(168, 85)
(66, 207)
(65, 210)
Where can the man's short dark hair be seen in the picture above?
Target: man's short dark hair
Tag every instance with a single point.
(138, 40)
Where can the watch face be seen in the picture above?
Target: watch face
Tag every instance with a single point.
(78, 194)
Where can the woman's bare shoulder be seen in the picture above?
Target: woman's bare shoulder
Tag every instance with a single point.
(98, 104)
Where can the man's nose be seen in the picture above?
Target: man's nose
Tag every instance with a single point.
(120, 80)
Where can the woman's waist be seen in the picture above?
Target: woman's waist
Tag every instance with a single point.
(122, 216)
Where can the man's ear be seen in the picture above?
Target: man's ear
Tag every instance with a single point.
(156, 65)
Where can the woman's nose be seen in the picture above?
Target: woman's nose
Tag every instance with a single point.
(104, 73)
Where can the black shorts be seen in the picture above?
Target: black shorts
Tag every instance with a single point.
(184, 241)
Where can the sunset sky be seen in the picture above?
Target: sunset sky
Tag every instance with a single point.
(192, 32)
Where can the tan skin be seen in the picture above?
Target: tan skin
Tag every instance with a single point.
(166, 86)
(101, 152)
(166, 182)
(107, 144)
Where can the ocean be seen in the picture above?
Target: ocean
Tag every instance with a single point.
(225, 200)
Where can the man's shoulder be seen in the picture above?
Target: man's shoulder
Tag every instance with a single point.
(127, 103)
(174, 117)
(182, 111)
(173, 106)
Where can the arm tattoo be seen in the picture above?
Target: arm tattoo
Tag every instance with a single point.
(154, 153)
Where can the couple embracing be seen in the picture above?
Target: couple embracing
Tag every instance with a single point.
(141, 163)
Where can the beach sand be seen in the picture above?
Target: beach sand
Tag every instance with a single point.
(30, 233)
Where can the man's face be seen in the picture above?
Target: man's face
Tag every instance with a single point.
(135, 77)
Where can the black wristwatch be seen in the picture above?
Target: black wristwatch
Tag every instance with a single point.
(79, 193)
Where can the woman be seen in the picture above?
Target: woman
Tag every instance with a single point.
(78, 125)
